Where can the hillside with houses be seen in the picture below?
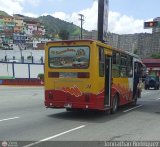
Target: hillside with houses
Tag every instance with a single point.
(32, 33)
(19, 30)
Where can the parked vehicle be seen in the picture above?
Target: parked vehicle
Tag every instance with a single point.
(152, 82)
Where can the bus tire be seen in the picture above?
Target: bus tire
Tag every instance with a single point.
(106, 112)
(114, 104)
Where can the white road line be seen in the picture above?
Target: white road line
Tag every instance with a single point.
(157, 99)
(146, 92)
(132, 108)
(49, 138)
(9, 118)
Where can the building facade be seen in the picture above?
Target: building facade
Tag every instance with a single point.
(19, 23)
(142, 44)
(19, 30)
(8, 29)
(156, 37)
(2, 35)
(153, 66)
(156, 30)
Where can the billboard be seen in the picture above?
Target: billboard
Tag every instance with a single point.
(102, 20)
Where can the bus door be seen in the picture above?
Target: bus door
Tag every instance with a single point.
(108, 77)
(138, 72)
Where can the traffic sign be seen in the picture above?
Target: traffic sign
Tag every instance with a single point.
(151, 24)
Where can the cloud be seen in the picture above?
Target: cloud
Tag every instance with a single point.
(117, 23)
(34, 3)
(31, 2)
(90, 17)
(60, 15)
(30, 14)
(122, 24)
(17, 6)
(11, 6)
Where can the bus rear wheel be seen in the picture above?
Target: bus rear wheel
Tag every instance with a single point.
(114, 104)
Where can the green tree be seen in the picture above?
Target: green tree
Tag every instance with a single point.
(64, 34)
(41, 76)
(135, 51)
(155, 56)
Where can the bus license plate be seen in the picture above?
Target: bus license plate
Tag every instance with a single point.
(68, 105)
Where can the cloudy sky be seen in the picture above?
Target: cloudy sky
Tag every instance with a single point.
(125, 16)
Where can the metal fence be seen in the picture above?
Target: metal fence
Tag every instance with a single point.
(20, 70)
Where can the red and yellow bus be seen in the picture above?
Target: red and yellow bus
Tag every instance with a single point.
(89, 74)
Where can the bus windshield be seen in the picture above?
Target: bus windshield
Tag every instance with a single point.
(69, 57)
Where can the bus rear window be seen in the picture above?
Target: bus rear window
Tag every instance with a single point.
(69, 57)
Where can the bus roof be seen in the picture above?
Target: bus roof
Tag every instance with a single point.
(69, 41)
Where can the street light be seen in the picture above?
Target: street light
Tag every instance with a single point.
(82, 20)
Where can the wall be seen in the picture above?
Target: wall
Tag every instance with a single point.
(21, 70)
(25, 74)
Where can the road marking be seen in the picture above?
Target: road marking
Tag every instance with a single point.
(157, 99)
(9, 118)
(132, 108)
(57, 135)
(145, 92)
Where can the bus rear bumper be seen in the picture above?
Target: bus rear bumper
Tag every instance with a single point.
(60, 104)
(60, 99)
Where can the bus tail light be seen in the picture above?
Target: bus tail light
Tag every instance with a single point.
(83, 75)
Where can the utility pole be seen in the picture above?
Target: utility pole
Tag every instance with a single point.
(82, 20)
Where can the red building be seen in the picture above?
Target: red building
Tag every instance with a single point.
(153, 66)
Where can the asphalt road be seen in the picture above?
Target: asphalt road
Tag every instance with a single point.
(23, 117)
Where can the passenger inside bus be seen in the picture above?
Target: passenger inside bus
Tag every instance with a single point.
(137, 76)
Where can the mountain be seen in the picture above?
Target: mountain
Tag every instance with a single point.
(55, 25)
(2, 13)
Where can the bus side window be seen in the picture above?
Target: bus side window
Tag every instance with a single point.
(123, 69)
(130, 66)
(115, 65)
(140, 69)
(101, 62)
